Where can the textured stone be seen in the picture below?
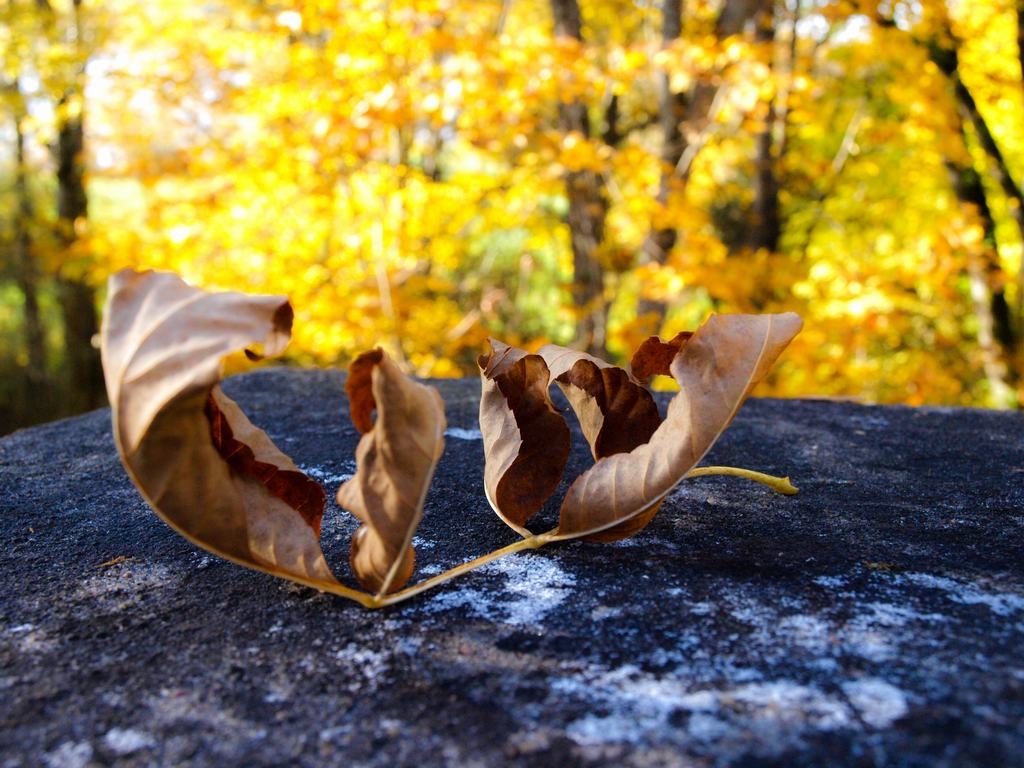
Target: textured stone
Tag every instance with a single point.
(877, 618)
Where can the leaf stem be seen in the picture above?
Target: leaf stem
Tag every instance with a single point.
(530, 542)
(365, 599)
(777, 484)
(535, 541)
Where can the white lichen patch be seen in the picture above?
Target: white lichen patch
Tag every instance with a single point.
(633, 705)
(874, 633)
(431, 569)
(879, 703)
(811, 633)
(780, 628)
(458, 433)
(331, 477)
(28, 639)
(363, 668)
(749, 610)
(69, 754)
(783, 629)
(461, 598)
(534, 586)
(703, 693)
(629, 706)
(123, 586)
(785, 705)
(126, 741)
(702, 608)
(830, 582)
(1000, 603)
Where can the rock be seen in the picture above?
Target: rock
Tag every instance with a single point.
(877, 618)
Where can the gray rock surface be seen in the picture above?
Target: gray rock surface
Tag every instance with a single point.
(877, 618)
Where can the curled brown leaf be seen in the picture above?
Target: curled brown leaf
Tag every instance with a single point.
(526, 440)
(395, 461)
(221, 482)
(715, 369)
(654, 356)
(295, 489)
(359, 388)
(615, 413)
(202, 465)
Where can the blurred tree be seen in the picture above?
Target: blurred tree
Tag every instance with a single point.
(999, 327)
(588, 204)
(85, 389)
(420, 173)
(686, 116)
(42, 87)
(25, 267)
(21, 265)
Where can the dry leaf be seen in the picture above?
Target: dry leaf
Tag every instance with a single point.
(615, 413)
(222, 483)
(716, 369)
(654, 356)
(395, 462)
(201, 464)
(640, 458)
(526, 441)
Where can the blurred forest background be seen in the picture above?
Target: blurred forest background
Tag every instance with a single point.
(419, 174)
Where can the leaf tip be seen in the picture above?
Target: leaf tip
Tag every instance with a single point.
(359, 388)
(527, 441)
(654, 356)
(372, 575)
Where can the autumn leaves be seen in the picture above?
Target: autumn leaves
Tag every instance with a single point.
(639, 456)
(220, 481)
(199, 462)
(395, 462)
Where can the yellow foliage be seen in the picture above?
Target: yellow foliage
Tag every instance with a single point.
(399, 170)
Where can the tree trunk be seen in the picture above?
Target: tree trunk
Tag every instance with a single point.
(588, 208)
(1001, 172)
(765, 229)
(675, 109)
(671, 113)
(1020, 37)
(27, 270)
(947, 59)
(78, 297)
(991, 310)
